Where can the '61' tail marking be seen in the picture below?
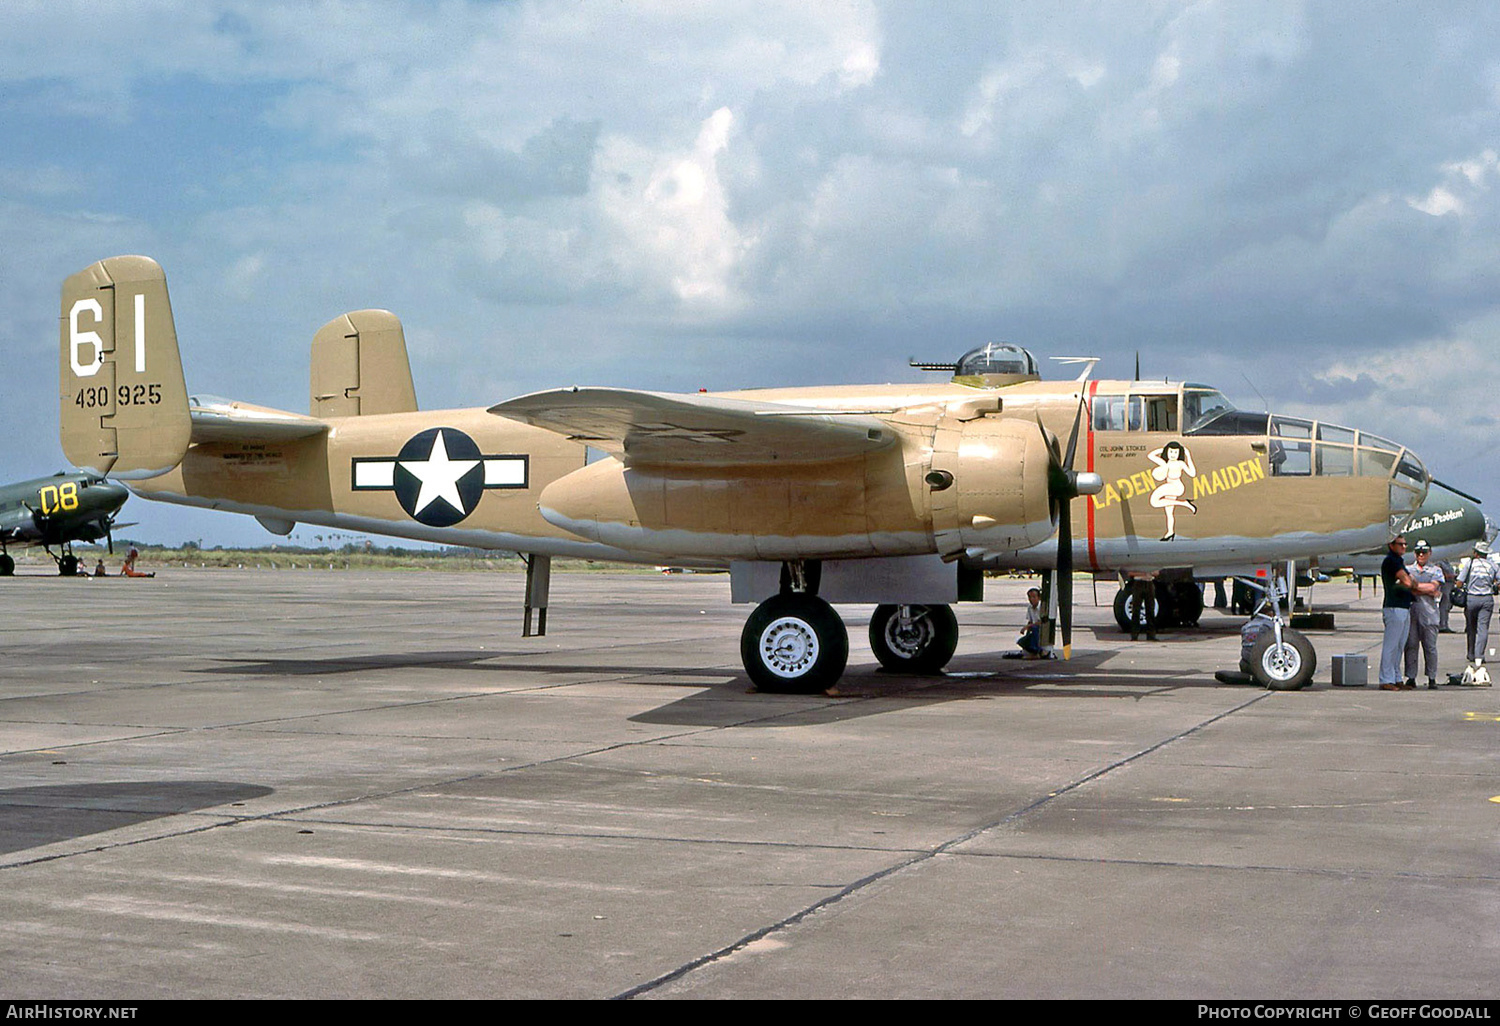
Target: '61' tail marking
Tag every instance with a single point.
(78, 337)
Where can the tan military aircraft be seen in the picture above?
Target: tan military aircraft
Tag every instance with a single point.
(898, 495)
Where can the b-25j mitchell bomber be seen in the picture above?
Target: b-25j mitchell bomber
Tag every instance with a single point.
(899, 495)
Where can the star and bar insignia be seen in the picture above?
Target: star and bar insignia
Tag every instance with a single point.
(439, 476)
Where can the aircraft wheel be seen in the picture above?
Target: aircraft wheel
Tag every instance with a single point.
(1125, 610)
(68, 566)
(1288, 666)
(1188, 602)
(7, 565)
(795, 644)
(924, 644)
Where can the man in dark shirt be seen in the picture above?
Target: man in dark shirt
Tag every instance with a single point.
(1396, 612)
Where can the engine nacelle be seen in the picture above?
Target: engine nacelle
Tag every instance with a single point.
(985, 489)
(848, 508)
(989, 479)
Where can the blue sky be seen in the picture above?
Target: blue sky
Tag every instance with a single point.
(1295, 199)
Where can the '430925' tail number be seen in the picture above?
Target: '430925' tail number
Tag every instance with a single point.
(125, 395)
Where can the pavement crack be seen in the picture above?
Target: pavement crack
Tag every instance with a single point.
(921, 857)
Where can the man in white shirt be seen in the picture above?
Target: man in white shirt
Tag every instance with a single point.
(1424, 616)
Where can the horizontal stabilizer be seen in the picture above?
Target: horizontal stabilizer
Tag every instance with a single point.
(666, 428)
(222, 420)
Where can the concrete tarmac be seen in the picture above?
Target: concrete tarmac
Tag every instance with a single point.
(344, 784)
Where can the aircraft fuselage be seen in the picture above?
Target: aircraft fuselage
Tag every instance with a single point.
(500, 484)
(58, 510)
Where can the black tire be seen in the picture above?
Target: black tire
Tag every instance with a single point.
(924, 646)
(794, 644)
(1122, 612)
(7, 565)
(1165, 603)
(1187, 603)
(68, 566)
(1289, 667)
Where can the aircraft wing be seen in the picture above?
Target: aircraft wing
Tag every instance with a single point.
(220, 420)
(668, 428)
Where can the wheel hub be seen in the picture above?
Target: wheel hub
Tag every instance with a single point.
(910, 636)
(1282, 661)
(789, 647)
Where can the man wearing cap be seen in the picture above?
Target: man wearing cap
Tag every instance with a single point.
(1478, 577)
(1396, 613)
(1424, 616)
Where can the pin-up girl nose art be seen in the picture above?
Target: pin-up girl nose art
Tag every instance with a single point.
(1172, 461)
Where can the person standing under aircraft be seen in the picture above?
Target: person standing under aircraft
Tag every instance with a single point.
(1139, 598)
(1424, 617)
(1478, 578)
(1395, 610)
(1445, 603)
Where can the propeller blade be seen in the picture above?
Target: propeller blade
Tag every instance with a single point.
(1073, 435)
(1064, 485)
(1065, 576)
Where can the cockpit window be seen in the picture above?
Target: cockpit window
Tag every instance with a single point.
(1135, 413)
(1232, 422)
(1411, 472)
(1201, 405)
(995, 358)
(1161, 412)
(1376, 463)
(1115, 413)
(1291, 427)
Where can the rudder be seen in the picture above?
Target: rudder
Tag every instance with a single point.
(123, 402)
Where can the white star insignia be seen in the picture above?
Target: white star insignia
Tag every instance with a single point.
(439, 476)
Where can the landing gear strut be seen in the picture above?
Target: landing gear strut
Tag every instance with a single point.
(67, 563)
(1280, 658)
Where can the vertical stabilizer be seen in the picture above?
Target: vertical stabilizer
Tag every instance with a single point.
(124, 406)
(360, 367)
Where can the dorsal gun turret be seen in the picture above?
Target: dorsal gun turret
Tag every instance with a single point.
(992, 365)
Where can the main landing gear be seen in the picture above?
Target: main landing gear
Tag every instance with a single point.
(67, 563)
(1173, 604)
(913, 639)
(795, 643)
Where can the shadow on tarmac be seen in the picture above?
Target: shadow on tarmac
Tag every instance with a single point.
(33, 816)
